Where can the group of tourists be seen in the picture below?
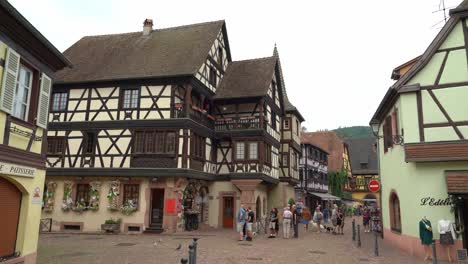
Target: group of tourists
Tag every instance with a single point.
(292, 216)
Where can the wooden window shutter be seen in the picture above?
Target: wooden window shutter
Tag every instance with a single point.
(44, 99)
(385, 137)
(10, 75)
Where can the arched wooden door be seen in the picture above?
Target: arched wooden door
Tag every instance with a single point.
(10, 202)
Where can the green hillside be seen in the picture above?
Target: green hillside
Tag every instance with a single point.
(354, 132)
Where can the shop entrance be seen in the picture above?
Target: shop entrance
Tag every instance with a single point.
(10, 202)
(157, 206)
(228, 212)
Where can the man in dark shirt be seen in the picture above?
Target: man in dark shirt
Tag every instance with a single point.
(295, 221)
(250, 221)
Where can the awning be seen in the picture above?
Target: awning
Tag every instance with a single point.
(325, 196)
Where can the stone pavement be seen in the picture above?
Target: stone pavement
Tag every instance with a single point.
(215, 247)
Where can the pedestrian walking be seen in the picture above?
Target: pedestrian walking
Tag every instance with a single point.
(326, 214)
(334, 218)
(287, 216)
(295, 220)
(366, 220)
(250, 221)
(273, 222)
(241, 216)
(318, 216)
(306, 217)
(340, 221)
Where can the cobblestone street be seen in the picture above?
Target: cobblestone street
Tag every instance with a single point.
(215, 247)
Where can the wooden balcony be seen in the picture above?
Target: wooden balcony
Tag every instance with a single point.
(243, 123)
(196, 114)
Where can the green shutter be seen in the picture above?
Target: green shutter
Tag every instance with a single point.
(10, 74)
(44, 98)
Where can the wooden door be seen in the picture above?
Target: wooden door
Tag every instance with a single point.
(10, 202)
(228, 212)
(157, 206)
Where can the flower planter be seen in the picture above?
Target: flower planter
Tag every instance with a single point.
(110, 228)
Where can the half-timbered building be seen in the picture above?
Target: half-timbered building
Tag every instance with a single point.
(27, 63)
(161, 127)
(313, 174)
(422, 129)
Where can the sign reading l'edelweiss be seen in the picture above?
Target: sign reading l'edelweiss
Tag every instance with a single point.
(12, 169)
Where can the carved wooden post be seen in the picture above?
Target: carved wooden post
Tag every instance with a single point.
(188, 99)
(260, 109)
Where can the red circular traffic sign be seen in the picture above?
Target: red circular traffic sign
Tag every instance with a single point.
(374, 186)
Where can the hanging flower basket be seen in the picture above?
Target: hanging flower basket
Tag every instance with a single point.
(128, 208)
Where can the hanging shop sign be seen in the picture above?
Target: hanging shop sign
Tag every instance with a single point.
(431, 201)
(16, 170)
(374, 186)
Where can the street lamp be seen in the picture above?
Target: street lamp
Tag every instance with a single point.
(396, 139)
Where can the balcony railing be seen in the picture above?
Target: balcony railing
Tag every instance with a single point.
(195, 114)
(227, 124)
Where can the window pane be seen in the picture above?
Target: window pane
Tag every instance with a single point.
(159, 142)
(170, 142)
(253, 151)
(240, 151)
(149, 142)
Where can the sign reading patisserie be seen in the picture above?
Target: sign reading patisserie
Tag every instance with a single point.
(16, 170)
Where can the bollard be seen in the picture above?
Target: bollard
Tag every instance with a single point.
(434, 253)
(191, 253)
(354, 229)
(359, 235)
(376, 249)
(195, 250)
(183, 261)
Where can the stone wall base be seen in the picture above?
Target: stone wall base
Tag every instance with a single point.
(413, 246)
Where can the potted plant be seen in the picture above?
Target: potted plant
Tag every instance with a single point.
(128, 208)
(111, 225)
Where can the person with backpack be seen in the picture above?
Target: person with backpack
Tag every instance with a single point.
(241, 216)
(318, 216)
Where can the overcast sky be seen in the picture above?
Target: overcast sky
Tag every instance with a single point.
(337, 56)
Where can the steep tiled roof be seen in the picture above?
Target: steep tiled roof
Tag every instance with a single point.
(247, 78)
(363, 156)
(330, 142)
(163, 53)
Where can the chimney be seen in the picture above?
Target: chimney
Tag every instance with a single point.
(147, 26)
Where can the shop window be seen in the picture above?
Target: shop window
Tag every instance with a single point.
(82, 193)
(129, 98)
(395, 216)
(198, 147)
(131, 192)
(59, 101)
(55, 145)
(154, 142)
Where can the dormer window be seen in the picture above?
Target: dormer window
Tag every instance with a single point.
(220, 57)
(213, 77)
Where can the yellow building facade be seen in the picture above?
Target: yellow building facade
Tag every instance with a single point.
(25, 88)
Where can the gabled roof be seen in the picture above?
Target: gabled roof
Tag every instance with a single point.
(247, 78)
(288, 106)
(177, 51)
(331, 143)
(362, 151)
(392, 92)
(18, 28)
(403, 68)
